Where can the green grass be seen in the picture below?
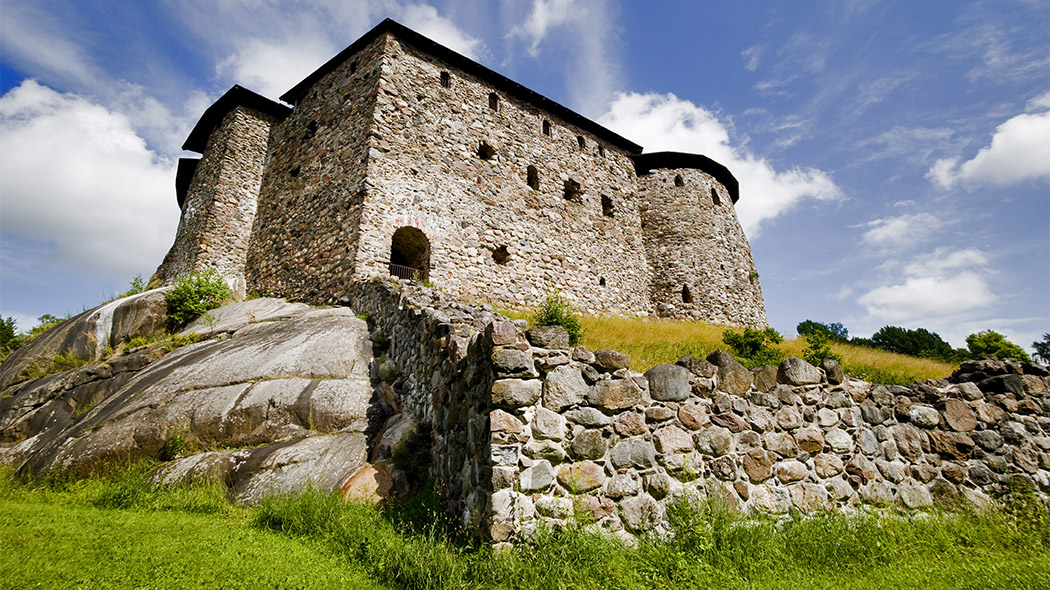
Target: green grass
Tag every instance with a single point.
(121, 532)
(653, 341)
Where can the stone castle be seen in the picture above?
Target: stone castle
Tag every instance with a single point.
(400, 156)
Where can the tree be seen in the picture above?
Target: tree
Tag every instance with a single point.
(834, 331)
(919, 342)
(1042, 349)
(750, 346)
(989, 342)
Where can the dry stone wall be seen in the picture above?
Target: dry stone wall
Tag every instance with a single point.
(701, 262)
(578, 433)
(492, 236)
(220, 206)
(306, 234)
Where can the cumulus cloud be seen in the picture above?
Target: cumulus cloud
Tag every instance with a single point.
(271, 68)
(75, 176)
(901, 230)
(1019, 152)
(665, 122)
(935, 286)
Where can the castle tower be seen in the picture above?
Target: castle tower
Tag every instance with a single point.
(218, 192)
(701, 261)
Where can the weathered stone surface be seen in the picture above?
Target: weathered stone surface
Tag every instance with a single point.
(790, 471)
(914, 496)
(564, 387)
(537, 478)
(581, 477)
(503, 333)
(641, 513)
(862, 467)
(808, 497)
(693, 416)
(833, 371)
(587, 417)
(959, 416)
(715, 441)
(611, 360)
(761, 419)
(839, 441)
(508, 505)
(764, 377)
(630, 424)
(810, 440)
(668, 383)
(789, 418)
(622, 485)
(827, 465)
(548, 424)
(589, 444)
(758, 465)
(795, 371)
(894, 471)
(514, 361)
(969, 391)
(548, 337)
(733, 378)
(615, 394)
(953, 445)
(924, 416)
(768, 498)
(635, 452)
(698, 367)
(671, 439)
(503, 422)
(515, 393)
(781, 443)
(908, 440)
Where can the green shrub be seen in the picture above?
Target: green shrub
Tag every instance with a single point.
(193, 296)
(750, 346)
(818, 348)
(557, 311)
(991, 343)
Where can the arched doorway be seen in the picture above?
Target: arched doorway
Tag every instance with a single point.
(410, 254)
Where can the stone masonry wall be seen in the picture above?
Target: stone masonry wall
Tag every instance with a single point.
(579, 433)
(220, 206)
(428, 174)
(700, 259)
(306, 236)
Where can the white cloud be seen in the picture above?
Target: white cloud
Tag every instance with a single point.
(545, 14)
(272, 68)
(901, 230)
(76, 176)
(1019, 152)
(424, 19)
(664, 122)
(37, 41)
(935, 286)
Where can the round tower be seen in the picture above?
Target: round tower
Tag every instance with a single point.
(700, 259)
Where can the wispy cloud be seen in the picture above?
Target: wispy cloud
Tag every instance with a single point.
(902, 230)
(751, 57)
(1019, 152)
(545, 15)
(666, 122)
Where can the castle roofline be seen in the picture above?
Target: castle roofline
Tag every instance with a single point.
(645, 163)
(498, 81)
(238, 96)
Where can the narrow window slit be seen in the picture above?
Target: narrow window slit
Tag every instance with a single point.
(446, 80)
(532, 178)
(494, 101)
(687, 297)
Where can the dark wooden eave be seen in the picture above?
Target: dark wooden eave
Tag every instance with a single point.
(238, 96)
(461, 62)
(183, 177)
(645, 163)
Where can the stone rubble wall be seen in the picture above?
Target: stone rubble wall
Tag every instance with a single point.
(578, 433)
(427, 174)
(700, 259)
(306, 234)
(220, 206)
(434, 353)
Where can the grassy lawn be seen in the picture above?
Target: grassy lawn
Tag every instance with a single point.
(45, 545)
(119, 533)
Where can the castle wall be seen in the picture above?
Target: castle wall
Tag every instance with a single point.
(306, 236)
(492, 237)
(220, 205)
(700, 259)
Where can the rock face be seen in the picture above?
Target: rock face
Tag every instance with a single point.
(297, 389)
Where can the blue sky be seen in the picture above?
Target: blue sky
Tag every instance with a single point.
(893, 157)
